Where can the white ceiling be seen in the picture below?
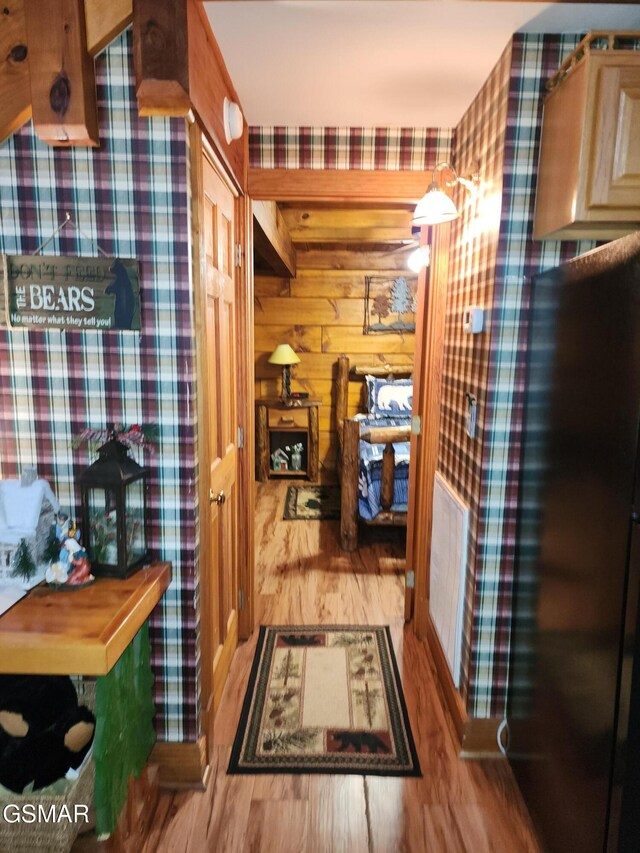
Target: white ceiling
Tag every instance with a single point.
(366, 63)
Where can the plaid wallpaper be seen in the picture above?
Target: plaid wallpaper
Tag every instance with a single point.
(348, 147)
(534, 58)
(473, 252)
(131, 197)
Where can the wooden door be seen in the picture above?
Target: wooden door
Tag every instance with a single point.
(219, 560)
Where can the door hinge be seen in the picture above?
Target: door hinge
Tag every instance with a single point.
(411, 580)
(416, 425)
(240, 599)
(238, 249)
(240, 437)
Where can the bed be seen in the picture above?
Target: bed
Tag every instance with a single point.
(373, 463)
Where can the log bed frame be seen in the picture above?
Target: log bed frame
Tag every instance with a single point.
(349, 457)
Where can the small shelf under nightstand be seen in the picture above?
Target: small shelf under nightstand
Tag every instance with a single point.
(279, 425)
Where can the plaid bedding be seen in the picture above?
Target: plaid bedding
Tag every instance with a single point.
(371, 470)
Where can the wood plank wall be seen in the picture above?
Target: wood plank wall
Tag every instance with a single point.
(320, 314)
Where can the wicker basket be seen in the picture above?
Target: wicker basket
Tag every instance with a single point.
(58, 837)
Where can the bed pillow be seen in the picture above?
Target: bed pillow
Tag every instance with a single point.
(389, 399)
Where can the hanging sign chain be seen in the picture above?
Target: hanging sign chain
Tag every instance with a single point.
(69, 221)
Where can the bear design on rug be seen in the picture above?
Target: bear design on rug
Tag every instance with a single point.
(359, 740)
(300, 639)
(121, 288)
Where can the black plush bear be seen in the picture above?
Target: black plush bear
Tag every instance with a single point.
(43, 730)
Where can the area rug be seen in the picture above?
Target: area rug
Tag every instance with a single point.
(324, 699)
(311, 503)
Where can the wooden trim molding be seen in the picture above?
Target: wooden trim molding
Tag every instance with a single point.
(476, 737)
(246, 416)
(209, 84)
(425, 447)
(337, 185)
(182, 765)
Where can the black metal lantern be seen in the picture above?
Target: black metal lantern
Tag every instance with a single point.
(114, 509)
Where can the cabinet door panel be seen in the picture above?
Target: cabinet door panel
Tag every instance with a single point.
(615, 176)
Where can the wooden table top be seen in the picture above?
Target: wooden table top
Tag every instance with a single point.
(82, 631)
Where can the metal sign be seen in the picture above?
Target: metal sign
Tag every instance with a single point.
(82, 293)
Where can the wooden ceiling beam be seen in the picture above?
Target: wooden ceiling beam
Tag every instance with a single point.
(15, 95)
(338, 185)
(161, 57)
(313, 225)
(62, 75)
(271, 239)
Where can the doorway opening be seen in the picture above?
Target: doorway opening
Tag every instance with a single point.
(331, 279)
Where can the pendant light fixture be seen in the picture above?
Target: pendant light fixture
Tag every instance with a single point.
(435, 206)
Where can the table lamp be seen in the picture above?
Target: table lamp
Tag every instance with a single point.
(284, 355)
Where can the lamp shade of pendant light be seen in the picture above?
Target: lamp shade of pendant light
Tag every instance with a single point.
(434, 208)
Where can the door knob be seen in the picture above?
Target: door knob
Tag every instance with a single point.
(219, 499)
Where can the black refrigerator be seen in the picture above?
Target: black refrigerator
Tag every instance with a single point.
(574, 708)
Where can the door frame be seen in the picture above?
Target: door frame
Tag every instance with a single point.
(389, 187)
(243, 283)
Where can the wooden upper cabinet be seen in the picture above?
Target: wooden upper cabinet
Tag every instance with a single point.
(589, 171)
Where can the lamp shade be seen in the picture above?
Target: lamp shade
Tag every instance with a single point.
(283, 354)
(434, 207)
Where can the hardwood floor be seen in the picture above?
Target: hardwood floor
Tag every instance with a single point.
(304, 578)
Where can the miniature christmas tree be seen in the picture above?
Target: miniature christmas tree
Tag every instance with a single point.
(52, 548)
(23, 564)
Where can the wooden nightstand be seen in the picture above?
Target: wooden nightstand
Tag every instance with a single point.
(279, 426)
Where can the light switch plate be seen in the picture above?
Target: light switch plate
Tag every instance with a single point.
(473, 319)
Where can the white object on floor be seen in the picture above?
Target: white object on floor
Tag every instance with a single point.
(9, 594)
(449, 541)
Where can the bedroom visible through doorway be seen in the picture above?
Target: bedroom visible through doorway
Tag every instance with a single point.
(333, 283)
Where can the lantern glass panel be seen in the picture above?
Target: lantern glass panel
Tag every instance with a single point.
(136, 546)
(103, 526)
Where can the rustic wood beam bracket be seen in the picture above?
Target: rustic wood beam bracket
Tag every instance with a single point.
(161, 57)
(62, 75)
(15, 103)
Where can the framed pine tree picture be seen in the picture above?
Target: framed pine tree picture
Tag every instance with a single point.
(390, 304)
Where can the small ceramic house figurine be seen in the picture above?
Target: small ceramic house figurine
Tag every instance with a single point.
(279, 460)
(28, 509)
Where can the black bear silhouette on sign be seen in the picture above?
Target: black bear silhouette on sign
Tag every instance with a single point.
(121, 288)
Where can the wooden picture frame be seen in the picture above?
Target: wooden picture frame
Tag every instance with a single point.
(386, 296)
